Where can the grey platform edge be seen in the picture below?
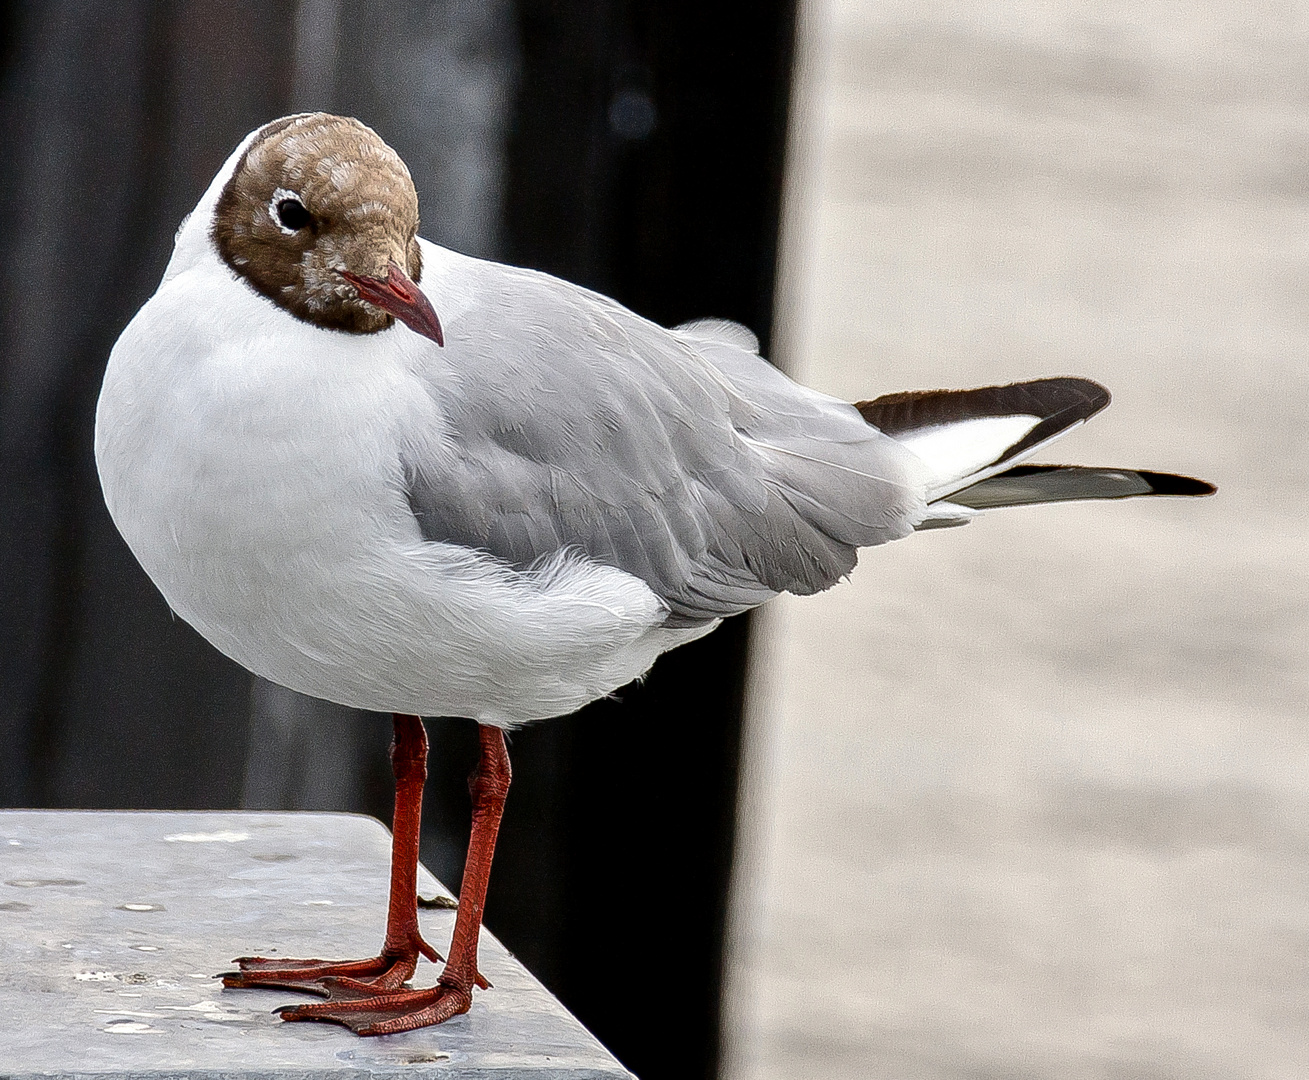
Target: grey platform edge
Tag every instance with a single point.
(113, 924)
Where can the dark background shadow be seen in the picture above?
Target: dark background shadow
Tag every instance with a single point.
(632, 147)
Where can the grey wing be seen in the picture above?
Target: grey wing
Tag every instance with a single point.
(679, 457)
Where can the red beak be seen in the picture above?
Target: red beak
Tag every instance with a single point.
(399, 296)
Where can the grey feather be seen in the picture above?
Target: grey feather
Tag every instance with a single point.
(680, 457)
(719, 332)
(1028, 485)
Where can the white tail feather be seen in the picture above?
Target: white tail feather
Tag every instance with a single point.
(958, 450)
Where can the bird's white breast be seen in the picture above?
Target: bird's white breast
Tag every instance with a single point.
(252, 462)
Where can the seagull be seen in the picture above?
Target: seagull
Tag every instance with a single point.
(503, 512)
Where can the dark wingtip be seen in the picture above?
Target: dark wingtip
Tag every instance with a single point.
(1027, 485)
(1097, 394)
(1070, 398)
(1173, 484)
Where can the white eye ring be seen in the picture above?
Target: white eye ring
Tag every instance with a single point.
(281, 195)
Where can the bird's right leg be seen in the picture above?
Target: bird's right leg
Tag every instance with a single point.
(395, 964)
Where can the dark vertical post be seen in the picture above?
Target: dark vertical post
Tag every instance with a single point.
(645, 161)
(114, 117)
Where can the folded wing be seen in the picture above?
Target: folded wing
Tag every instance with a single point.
(681, 458)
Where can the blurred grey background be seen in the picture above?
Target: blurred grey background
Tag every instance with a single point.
(1031, 798)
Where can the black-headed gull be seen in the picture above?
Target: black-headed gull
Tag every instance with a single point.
(505, 512)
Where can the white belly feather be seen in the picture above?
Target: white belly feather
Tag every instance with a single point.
(273, 536)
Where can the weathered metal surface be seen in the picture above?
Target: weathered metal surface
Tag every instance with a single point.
(113, 925)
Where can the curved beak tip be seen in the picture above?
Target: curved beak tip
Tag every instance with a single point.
(398, 295)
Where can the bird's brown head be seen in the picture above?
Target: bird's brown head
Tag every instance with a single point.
(321, 217)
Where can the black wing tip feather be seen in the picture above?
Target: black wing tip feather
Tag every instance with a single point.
(1028, 485)
(1161, 483)
(1059, 402)
(1176, 484)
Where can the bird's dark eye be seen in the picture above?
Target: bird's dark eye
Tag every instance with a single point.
(292, 215)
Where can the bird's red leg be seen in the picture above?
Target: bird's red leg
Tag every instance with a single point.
(362, 1008)
(394, 966)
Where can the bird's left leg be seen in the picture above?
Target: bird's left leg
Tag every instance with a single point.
(366, 1011)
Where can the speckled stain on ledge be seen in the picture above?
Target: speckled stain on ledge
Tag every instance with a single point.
(112, 926)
